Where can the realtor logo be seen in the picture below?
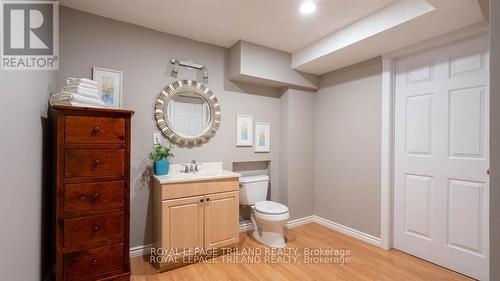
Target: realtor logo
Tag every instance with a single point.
(29, 35)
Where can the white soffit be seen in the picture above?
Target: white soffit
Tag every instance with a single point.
(398, 25)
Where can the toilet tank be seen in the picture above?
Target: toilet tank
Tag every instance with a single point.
(253, 189)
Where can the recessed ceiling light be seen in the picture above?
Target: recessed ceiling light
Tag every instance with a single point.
(307, 7)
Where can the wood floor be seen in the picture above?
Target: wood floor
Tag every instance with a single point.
(367, 262)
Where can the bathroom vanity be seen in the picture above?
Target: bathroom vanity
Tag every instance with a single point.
(194, 211)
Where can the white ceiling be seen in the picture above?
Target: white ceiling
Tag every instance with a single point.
(339, 33)
(273, 23)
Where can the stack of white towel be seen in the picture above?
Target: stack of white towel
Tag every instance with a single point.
(78, 92)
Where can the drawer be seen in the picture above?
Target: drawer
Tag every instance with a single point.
(93, 262)
(94, 162)
(87, 230)
(195, 188)
(98, 196)
(88, 129)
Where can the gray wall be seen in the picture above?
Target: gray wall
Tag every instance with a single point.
(347, 158)
(347, 108)
(283, 147)
(23, 94)
(297, 152)
(143, 55)
(495, 140)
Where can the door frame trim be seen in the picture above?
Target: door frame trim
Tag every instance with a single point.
(388, 120)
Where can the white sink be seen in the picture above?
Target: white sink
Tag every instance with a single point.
(207, 171)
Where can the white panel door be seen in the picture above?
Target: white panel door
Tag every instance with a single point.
(441, 183)
(189, 116)
(196, 120)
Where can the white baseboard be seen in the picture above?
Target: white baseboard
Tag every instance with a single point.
(145, 249)
(349, 231)
(300, 221)
(140, 251)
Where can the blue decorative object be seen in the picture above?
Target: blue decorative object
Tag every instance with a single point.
(162, 167)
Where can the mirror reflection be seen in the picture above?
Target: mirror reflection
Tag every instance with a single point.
(188, 113)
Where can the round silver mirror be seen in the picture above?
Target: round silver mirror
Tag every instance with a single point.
(187, 113)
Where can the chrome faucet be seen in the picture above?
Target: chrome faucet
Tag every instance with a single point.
(186, 168)
(192, 167)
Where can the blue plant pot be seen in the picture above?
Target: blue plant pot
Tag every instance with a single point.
(162, 167)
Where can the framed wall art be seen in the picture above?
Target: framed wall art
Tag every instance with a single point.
(244, 130)
(262, 137)
(110, 85)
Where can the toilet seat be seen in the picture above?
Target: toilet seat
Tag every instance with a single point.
(271, 211)
(271, 218)
(270, 208)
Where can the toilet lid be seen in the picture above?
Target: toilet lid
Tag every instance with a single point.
(270, 207)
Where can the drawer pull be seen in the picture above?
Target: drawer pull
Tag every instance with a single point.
(96, 196)
(96, 130)
(96, 227)
(208, 199)
(201, 200)
(94, 262)
(97, 162)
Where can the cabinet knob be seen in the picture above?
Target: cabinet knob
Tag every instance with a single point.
(208, 199)
(97, 162)
(96, 227)
(201, 200)
(96, 195)
(96, 129)
(94, 262)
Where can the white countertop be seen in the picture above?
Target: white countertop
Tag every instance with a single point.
(207, 171)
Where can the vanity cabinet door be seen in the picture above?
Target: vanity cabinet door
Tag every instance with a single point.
(182, 223)
(221, 219)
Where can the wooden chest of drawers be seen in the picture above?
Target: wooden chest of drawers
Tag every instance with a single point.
(91, 193)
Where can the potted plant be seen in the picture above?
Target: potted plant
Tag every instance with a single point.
(160, 155)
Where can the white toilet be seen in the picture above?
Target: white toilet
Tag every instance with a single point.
(268, 217)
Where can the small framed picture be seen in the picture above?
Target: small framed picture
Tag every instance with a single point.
(262, 137)
(244, 130)
(110, 85)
